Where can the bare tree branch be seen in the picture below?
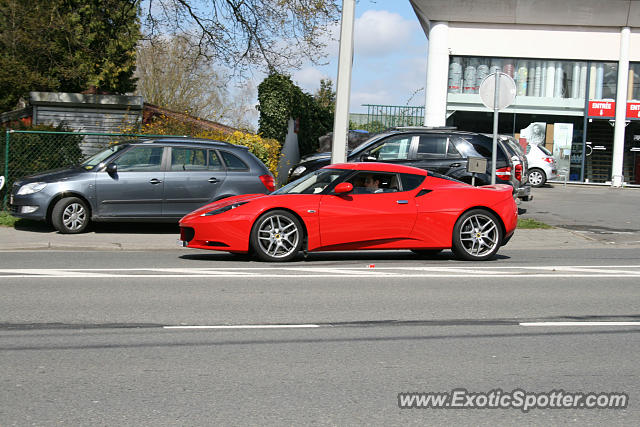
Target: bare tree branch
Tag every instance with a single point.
(242, 34)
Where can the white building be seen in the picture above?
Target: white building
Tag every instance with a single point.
(576, 64)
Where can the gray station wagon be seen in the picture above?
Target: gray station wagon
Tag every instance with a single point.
(155, 180)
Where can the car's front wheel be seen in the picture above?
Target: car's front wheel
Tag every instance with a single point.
(537, 177)
(277, 236)
(477, 235)
(70, 215)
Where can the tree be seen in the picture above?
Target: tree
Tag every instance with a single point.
(325, 96)
(172, 75)
(66, 45)
(242, 33)
(280, 99)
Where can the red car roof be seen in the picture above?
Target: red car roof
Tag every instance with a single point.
(378, 167)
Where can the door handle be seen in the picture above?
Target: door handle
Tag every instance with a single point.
(213, 180)
(155, 181)
(454, 165)
(402, 202)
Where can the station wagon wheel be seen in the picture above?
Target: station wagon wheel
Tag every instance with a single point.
(70, 215)
(477, 235)
(537, 177)
(277, 236)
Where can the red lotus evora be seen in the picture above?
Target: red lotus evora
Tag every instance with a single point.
(359, 206)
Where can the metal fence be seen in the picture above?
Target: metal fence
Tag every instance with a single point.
(29, 152)
(380, 117)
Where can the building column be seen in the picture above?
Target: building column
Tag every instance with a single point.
(435, 112)
(621, 109)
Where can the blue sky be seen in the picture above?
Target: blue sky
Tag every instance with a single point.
(390, 57)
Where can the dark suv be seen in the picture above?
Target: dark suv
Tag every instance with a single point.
(149, 180)
(441, 150)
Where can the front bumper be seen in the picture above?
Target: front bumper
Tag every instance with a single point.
(30, 206)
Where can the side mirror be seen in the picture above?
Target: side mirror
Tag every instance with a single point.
(112, 168)
(343, 188)
(369, 159)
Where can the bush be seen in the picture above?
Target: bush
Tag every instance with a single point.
(267, 150)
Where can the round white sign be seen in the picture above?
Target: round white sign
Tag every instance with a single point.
(506, 94)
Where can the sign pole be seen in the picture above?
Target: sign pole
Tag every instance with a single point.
(494, 150)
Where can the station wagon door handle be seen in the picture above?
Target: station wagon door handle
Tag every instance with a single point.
(213, 180)
(402, 202)
(155, 181)
(455, 165)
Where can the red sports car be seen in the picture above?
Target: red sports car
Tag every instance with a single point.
(358, 206)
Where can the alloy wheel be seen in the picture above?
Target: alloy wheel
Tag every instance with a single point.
(479, 235)
(278, 236)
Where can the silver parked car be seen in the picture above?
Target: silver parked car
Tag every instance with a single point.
(542, 165)
(151, 180)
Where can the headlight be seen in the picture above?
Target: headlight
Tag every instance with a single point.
(34, 187)
(224, 209)
(298, 171)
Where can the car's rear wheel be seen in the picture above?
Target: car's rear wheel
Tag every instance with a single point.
(537, 177)
(70, 215)
(426, 252)
(277, 236)
(477, 235)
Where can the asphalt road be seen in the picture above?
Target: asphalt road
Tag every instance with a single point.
(143, 338)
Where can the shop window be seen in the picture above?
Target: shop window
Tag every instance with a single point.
(534, 77)
(633, 92)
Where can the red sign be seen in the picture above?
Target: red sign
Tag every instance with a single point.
(633, 110)
(602, 109)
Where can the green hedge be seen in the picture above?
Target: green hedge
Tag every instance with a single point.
(280, 99)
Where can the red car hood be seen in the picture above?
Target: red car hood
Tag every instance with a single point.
(223, 203)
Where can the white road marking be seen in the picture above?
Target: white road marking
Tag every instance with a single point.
(580, 324)
(578, 271)
(242, 326)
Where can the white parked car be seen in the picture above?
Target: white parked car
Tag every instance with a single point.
(542, 165)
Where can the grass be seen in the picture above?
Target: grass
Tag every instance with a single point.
(530, 224)
(7, 220)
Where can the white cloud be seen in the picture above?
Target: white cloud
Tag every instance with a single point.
(309, 78)
(379, 32)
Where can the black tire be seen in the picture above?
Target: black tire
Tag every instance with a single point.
(70, 215)
(539, 177)
(477, 235)
(427, 253)
(277, 236)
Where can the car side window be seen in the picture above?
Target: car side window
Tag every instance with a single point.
(432, 147)
(188, 159)
(452, 152)
(233, 162)
(214, 161)
(410, 181)
(370, 182)
(394, 148)
(140, 159)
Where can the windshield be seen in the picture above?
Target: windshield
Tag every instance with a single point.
(100, 156)
(313, 183)
(368, 141)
